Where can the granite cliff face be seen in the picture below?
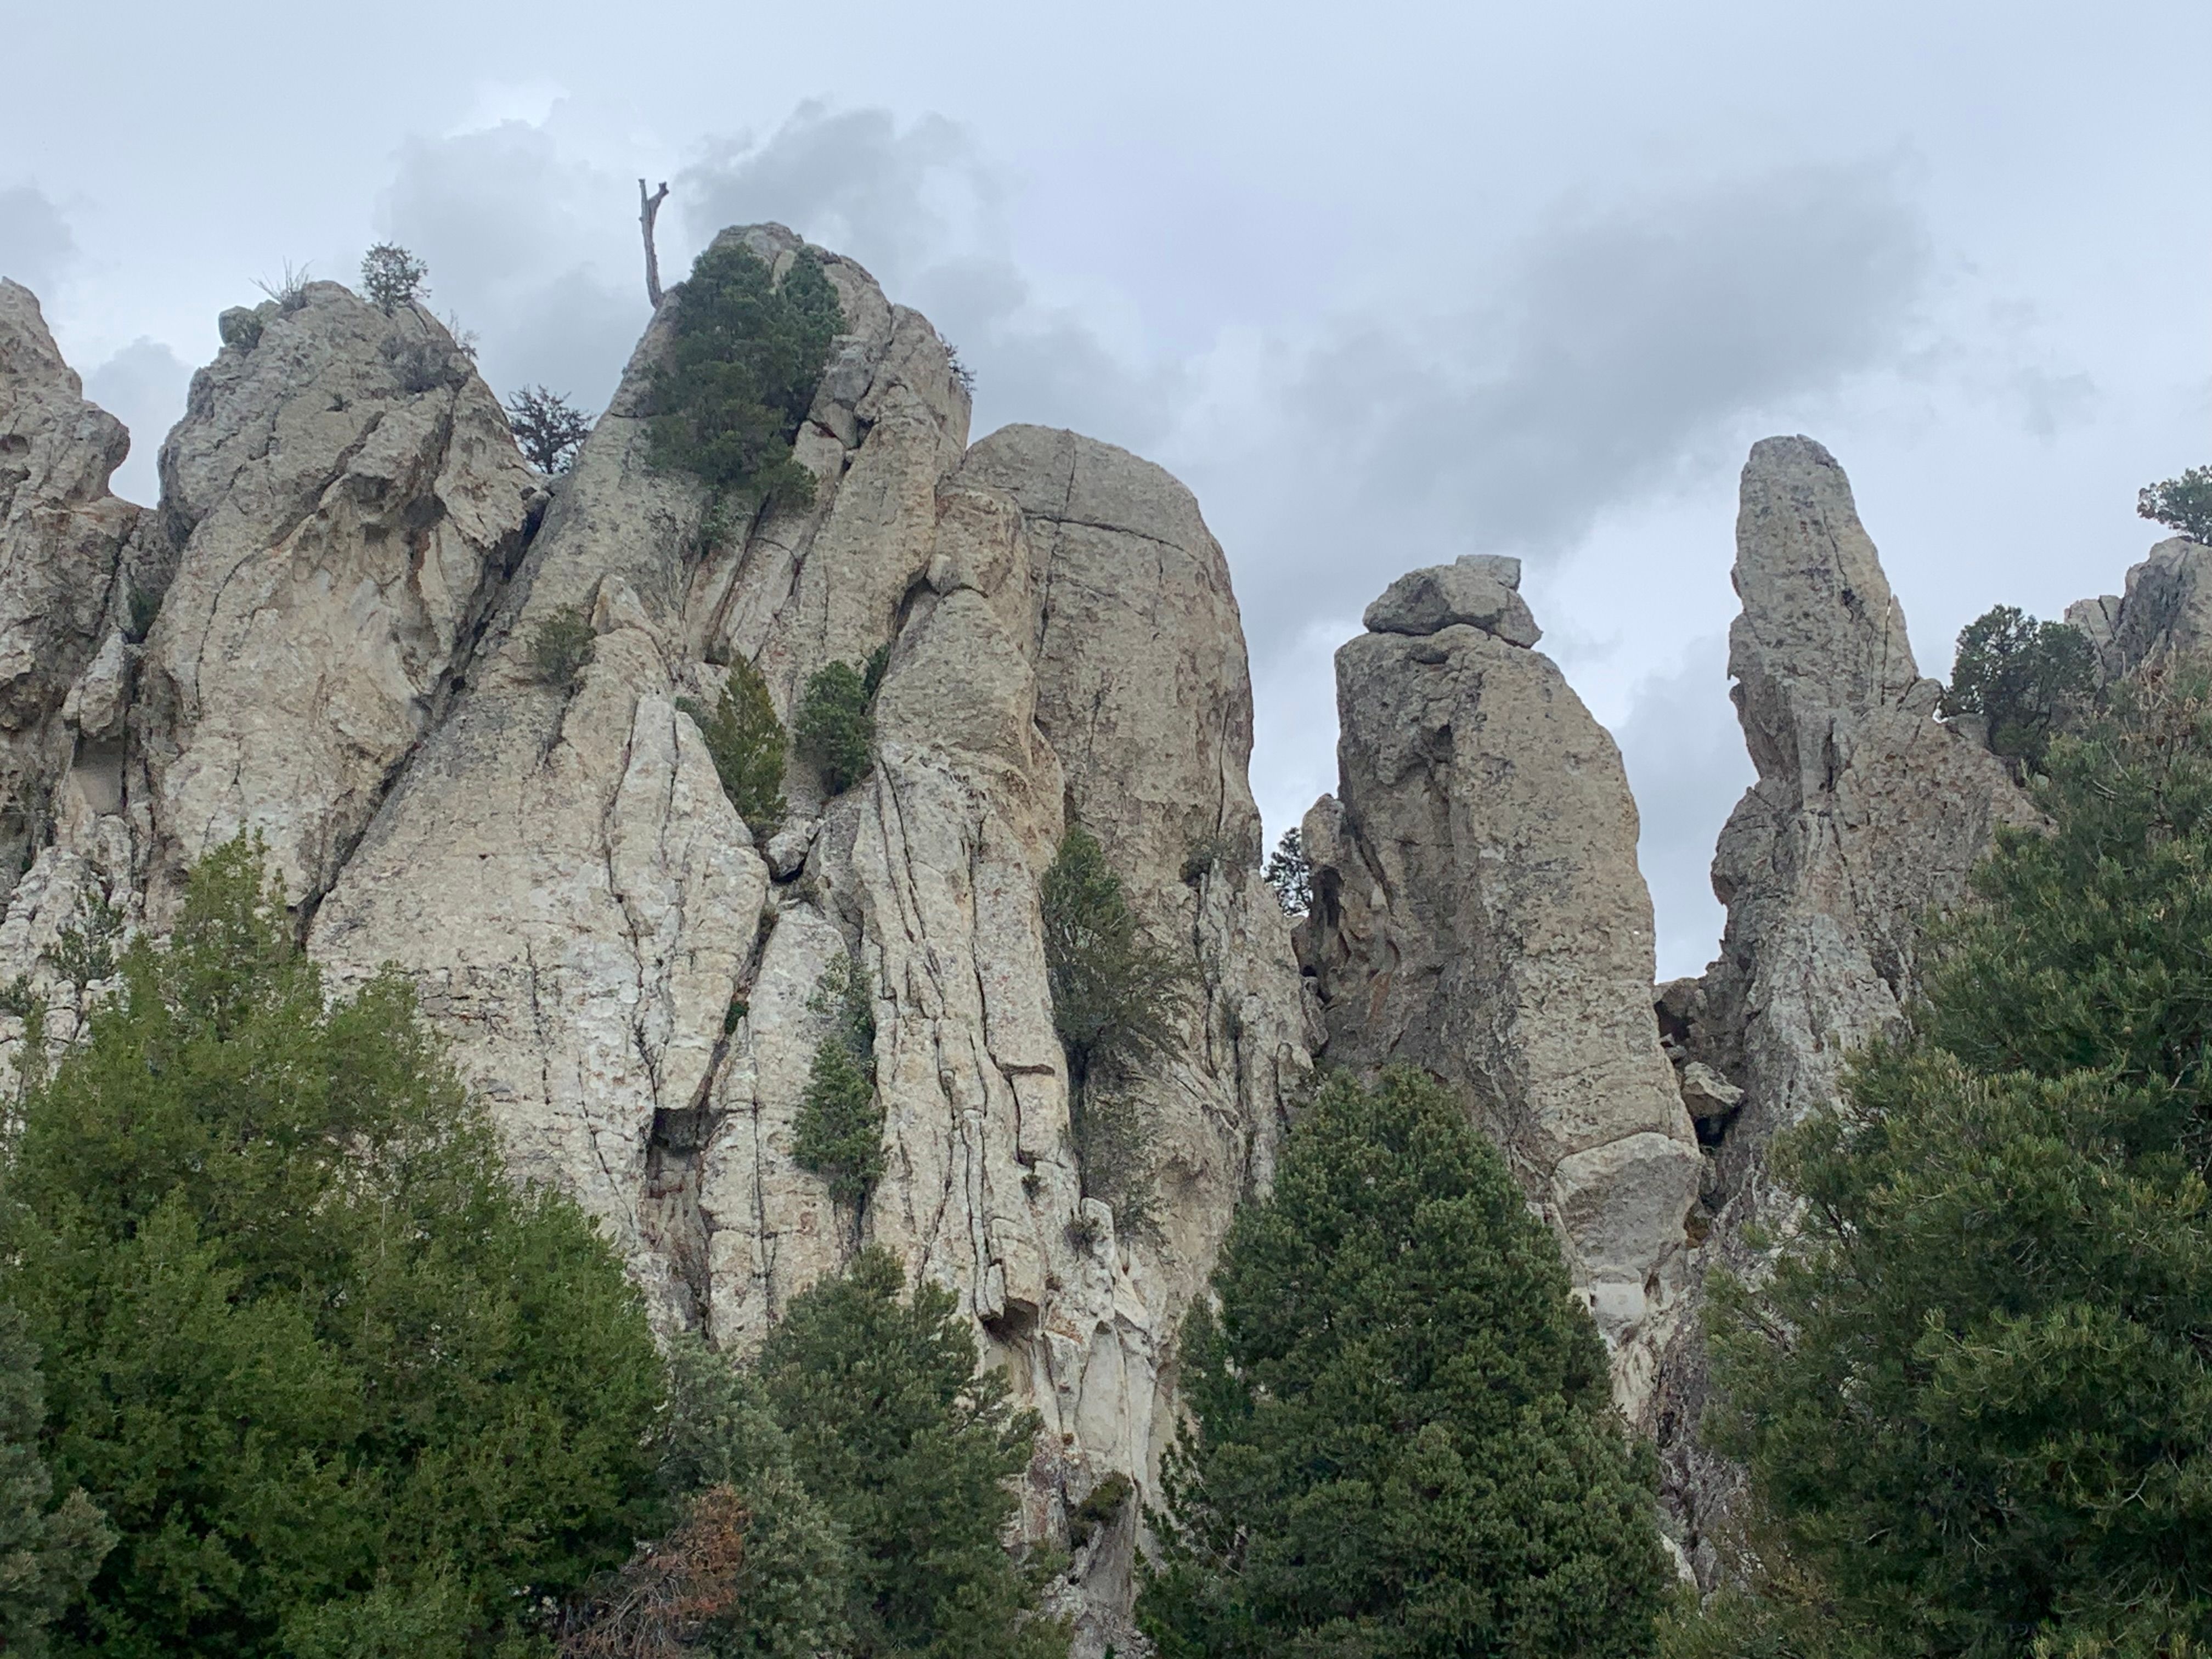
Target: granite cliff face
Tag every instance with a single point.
(1867, 815)
(1478, 915)
(352, 561)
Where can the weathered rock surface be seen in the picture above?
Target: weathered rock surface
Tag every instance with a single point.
(68, 550)
(1869, 813)
(1479, 590)
(1479, 914)
(346, 500)
(2168, 608)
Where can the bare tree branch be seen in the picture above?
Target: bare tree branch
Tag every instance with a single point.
(648, 210)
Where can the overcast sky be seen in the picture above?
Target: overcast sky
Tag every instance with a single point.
(1383, 285)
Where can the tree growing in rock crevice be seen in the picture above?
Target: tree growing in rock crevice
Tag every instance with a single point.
(747, 741)
(2183, 503)
(838, 1130)
(547, 428)
(833, 728)
(1117, 1001)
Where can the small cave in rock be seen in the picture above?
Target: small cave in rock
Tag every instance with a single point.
(669, 1214)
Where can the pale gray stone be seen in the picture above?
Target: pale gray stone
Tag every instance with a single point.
(1478, 590)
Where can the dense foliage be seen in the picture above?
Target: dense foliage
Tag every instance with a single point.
(838, 1130)
(833, 727)
(1975, 1399)
(1116, 1002)
(2184, 503)
(746, 355)
(340, 1388)
(910, 1450)
(48, 1551)
(2024, 677)
(547, 428)
(1402, 1438)
(747, 742)
(392, 277)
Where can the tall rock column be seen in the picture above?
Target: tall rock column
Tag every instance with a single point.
(1478, 915)
(1867, 815)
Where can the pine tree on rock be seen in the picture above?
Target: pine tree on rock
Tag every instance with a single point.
(1402, 1440)
(339, 1386)
(910, 1450)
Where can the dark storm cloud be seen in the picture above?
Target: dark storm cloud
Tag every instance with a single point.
(143, 387)
(35, 244)
(1613, 352)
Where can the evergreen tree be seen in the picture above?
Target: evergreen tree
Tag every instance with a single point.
(747, 354)
(2184, 503)
(47, 1551)
(911, 1450)
(547, 428)
(833, 728)
(2023, 676)
(340, 1387)
(1402, 1440)
(1976, 1397)
(747, 742)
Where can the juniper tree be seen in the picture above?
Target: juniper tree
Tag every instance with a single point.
(747, 742)
(340, 1386)
(833, 728)
(2023, 676)
(1401, 1440)
(912, 1450)
(391, 277)
(1116, 999)
(1975, 1399)
(48, 1550)
(745, 356)
(2184, 503)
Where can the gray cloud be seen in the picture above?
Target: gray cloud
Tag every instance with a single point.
(1687, 767)
(35, 244)
(921, 209)
(1615, 353)
(521, 238)
(143, 387)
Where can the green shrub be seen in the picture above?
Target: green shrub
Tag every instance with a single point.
(2024, 677)
(324, 1366)
(145, 605)
(392, 277)
(747, 742)
(1116, 1002)
(561, 648)
(2184, 503)
(833, 728)
(912, 1450)
(47, 1555)
(838, 1130)
(1401, 1440)
(1975, 1399)
(746, 355)
(1101, 1506)
(83, 953)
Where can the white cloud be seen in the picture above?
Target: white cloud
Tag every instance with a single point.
(35, 244)
(143, 387)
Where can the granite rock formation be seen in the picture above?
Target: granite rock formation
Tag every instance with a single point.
(1478, 915)
(1868, 814)
(2168, 608)
(353, 565)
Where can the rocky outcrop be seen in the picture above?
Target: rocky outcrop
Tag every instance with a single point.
(1868, 814)
(633, 985)
(345, 500)
(2167, 610)
(72, 560)
(1478, 914)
